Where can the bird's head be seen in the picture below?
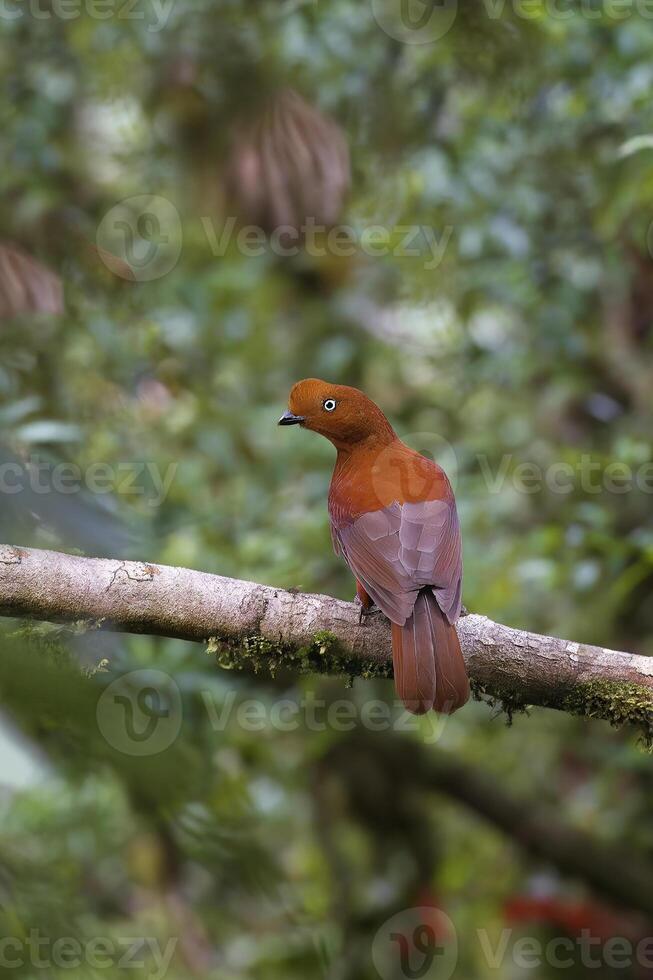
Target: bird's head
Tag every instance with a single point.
(343, 415)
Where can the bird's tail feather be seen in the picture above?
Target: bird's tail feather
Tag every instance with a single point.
(428, 663)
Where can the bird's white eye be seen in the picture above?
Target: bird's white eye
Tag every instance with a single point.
(329, 404)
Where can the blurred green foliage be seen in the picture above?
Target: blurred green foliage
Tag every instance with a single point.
(517, 142)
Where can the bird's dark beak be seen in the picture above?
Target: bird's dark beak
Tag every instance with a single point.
(289, 419)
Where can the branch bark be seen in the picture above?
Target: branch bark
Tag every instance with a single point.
(276, 627)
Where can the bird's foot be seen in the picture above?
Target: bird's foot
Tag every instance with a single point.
(366, 611)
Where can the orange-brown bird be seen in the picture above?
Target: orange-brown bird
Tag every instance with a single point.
(393, 519)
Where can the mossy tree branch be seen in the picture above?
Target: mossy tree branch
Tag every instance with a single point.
(266, 627)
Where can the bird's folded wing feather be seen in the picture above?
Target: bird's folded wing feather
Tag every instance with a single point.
(396, 551)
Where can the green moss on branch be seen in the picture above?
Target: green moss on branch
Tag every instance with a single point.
(500, 698)
(621, 703)
(323, 655)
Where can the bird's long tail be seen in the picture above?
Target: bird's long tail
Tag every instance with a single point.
(428, 662)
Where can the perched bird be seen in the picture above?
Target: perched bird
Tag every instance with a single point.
(393, 519)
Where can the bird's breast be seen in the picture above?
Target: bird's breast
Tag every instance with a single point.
(374, 479)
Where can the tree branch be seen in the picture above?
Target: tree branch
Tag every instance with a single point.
(376, 769)
(619, 875)
(276, 627)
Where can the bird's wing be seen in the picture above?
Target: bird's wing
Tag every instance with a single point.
(403, 548)
(335, 539)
